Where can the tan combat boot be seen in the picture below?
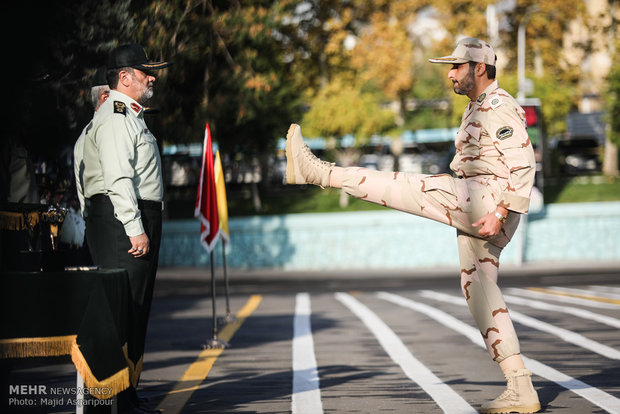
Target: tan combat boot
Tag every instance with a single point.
(302, 166)
(519, 397)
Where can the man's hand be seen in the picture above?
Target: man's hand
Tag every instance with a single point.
(139, 245)
(490, 225)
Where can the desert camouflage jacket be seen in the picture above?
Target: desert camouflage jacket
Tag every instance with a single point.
(493, 141)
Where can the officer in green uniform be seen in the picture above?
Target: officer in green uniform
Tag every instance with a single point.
(123, 184)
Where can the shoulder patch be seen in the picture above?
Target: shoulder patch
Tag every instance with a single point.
(495, 102)
(504, 132)
(120, 108)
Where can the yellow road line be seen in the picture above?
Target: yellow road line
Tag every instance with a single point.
(176, 399)
(575, 295)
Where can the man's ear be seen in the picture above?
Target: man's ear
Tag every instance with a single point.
(481, 68)
(124, 78)
(103, 97)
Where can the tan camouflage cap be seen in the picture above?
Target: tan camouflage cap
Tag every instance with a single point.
(469, 49)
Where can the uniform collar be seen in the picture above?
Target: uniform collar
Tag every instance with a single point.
(485, 94)
(132, 106)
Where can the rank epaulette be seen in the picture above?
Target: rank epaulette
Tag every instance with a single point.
(495, 102)
(120, 108)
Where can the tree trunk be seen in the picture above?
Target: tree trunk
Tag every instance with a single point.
(610, 159)
(258, 206)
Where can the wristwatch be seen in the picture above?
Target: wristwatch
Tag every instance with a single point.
(501, 218)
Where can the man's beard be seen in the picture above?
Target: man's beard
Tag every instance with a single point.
(147, 93)
(467, 84)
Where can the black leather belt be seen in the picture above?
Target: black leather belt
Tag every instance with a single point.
(149, 204)
(145, 204)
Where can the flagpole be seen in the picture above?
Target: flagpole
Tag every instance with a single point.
(215, 342)
(229, 317)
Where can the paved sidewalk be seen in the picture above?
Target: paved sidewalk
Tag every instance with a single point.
(552, 268)
(186, 280)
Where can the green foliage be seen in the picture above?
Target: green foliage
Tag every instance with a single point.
(298, 199)
(249, 68)
(431, 80)
(228, 69)
(430, 90)
(462, 17)
(341, 108)
(557, 99)
(583, 189)
(384, 56)
(546, 25)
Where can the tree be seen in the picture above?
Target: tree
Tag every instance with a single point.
(546, 24)
(343, 108)
(315, 39)
(228, 69)
(612, 140)
(384, 57)
(59, 46)
(357, 43)
(462, 17)
(613, 116)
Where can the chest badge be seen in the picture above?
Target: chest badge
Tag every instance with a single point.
(504, 132)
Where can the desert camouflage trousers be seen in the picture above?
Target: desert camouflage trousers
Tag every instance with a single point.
(457, 203)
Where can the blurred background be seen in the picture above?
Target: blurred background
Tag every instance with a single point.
(353, 73)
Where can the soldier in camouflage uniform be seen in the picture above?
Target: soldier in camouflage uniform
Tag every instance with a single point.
(494, 167)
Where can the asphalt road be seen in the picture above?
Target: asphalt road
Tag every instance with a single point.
(366, 342)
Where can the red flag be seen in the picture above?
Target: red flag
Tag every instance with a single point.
(206, 199)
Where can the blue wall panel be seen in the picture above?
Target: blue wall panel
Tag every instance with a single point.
(391, 240)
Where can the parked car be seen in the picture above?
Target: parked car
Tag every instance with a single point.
(578, 156)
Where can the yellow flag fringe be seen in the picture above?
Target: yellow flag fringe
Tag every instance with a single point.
(104, 389)
(134, 369)
(36, 347)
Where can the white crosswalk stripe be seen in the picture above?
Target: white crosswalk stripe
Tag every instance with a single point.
(596, 396)
(564, 334)
(609, 289)
(306, 397)
(444, 396)
(563, 299)
(581, 313)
